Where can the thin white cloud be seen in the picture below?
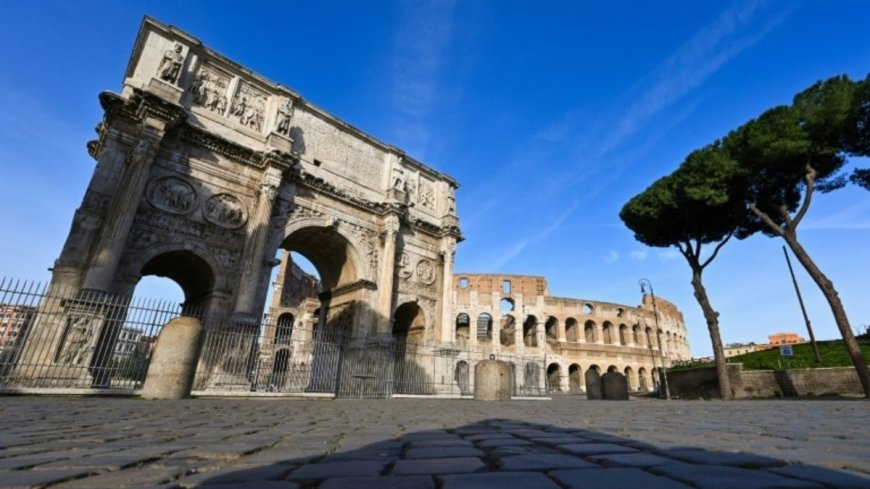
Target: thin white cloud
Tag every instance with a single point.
(417, 65)
(524, 243)
(854, 216)
(638, 255)
(611, 257)
(706, 52)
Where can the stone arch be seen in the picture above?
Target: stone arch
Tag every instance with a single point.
(334, 254)
(629, 378)
(284, 329)
(587, 309)
(642, 379)
(531, 378)
(593, 382)
(551, 329)
(280, 366)
(623, 334)
(507, 333)
(589, 331)
(484, 327)
(575, 383)
(650, 338)
(607, 332)
(554, 377)
(409, 325)
(194, 270)
(613, 368)
(462, 376)
(463, 327)
(506, 305)
(530, 331)
(572, 330)
(635, 334)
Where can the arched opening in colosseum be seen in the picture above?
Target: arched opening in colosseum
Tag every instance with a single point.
(589, 331)
(530, 331)
(620, 312)
(462, 376)
(463, 326)
(669, 342)
(554, 378)
(593, 381)
(587, 309)
(613, 368)
(650, 340)
(572, 332)
(635, 334)
(574, 378)
(506, 305)
(278, 377)
(409, 325)
(551, 329)
(607, 332)
(642, 379)
(484, 327)
(507, 333)
(629, 378)
(531, 378)
(623, 334)
(284, 329)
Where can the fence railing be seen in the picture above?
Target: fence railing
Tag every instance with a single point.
(57, 338)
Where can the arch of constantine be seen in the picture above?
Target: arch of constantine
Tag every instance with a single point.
(205, 170)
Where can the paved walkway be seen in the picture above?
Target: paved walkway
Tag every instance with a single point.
(408, 443)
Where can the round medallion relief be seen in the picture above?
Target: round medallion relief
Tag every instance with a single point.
(425, 272)
(172, 195)
(225, 211)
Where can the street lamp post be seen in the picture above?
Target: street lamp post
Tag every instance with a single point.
(644, 283)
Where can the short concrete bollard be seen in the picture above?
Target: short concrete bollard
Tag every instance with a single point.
(614, 386)
(492, 381)
(174, 360)
(593, 386)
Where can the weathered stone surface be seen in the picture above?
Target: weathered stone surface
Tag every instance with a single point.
(174, 360)
(492, 381)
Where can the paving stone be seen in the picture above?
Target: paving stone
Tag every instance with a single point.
(440, 442)
(502, 442)
(617, 478)
(632, 460)
(443, 452)
(557, 440)
(406, 482)
(720, 477)
(237, 474)
(723, 458)
(543, 461)
(595, 448)
(489, 436)
(438, 466)
(828, 477)
(255, 485)
(30, 478)
(349, 468)
(497, 480)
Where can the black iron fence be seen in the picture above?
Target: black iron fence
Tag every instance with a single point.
(52, 338)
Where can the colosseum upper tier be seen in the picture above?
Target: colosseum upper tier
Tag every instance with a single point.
(515, 314)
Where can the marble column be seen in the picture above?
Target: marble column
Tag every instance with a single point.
(122, 210)
(252, 256)
(448, 252)
(388, 271)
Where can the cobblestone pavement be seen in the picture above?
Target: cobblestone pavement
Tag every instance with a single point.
(408, 443)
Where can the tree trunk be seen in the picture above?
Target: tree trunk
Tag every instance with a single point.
(837, 308)
(712, 318)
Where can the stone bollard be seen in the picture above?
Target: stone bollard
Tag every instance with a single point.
(614, 386)
(174, 360)
(593, 386)
(492, 381)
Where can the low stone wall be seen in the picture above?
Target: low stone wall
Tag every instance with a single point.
(800, 382)
(702, 382)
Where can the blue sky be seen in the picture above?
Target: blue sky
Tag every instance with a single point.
(551, 115)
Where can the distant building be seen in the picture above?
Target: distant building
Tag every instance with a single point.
(128, 341)
(734, 349)
(14, 321)
(785, 339)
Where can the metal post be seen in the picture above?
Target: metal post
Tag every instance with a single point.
(646, 283)
(803, 309)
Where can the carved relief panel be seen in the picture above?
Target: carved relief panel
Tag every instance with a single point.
(249, 106)
(209, 89)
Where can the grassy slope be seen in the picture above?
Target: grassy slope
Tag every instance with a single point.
(833, 355)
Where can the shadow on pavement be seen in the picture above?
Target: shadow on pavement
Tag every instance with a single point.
(504, 453)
